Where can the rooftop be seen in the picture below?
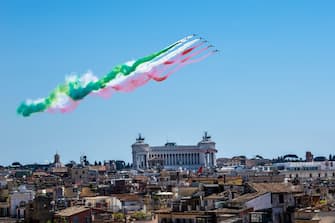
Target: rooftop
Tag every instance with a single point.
(71, 211)
(263, 188)
(128, 197)
(276, 187)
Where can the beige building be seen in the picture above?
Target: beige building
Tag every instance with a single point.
(173, 156)
(307, 170)
(79, 175)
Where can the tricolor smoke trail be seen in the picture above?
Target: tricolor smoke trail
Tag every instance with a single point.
(124, 78)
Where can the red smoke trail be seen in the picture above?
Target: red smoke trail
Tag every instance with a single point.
(139, 79)
(200, 58)
(181, 63)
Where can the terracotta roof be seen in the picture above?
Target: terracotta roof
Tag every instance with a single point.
(127, 197)
(140, 178)
(276, 187)
(221, 211)
(71, 211)
(98, 168)
(87, 192)
(247, 197)
(163, 211)
(263, 188)
(59, 170)
(40, 173)
(187, 191)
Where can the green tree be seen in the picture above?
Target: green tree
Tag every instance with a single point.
(118, 216)
(139, 215)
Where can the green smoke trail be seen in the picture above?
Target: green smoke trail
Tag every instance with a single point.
(65, 97)
(77, 91)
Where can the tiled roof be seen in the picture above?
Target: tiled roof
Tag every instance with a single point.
(187, 191)
(263, 188)
(71, 211)
(276, 187)
(128, 197)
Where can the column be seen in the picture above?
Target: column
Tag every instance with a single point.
(174, 159)
(164, 159)
(168, 159)
(179, 158)
(171, 158)
(190, 159)
(186, 155)
(193, 157)
(208, 160)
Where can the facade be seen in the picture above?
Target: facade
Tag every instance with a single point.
(307, 170)
(38, 210)
(79, 175)
(75, 214)
(173, 156)
(106, 202)
(4, 202)
(18, 201)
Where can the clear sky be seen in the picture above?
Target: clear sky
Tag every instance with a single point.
(270, 91)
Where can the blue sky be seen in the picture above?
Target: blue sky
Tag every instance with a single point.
(270, 91)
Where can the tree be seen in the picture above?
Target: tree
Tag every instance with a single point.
(16, 164)
(118, 216)
(139, 215)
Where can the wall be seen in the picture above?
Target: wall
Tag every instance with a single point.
(261, 202)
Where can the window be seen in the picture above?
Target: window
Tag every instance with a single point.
(281, 198)
(75, 219)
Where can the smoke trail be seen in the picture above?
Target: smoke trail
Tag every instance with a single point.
(125, 77)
